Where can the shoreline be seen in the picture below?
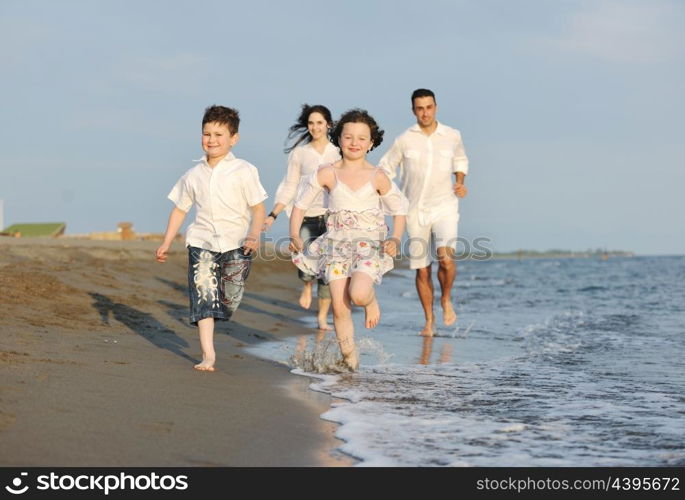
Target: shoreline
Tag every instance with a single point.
(97, 356)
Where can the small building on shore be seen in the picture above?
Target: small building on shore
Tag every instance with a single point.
(35, 230)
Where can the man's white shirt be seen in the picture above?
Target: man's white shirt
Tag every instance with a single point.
(222, 196)
(427, 164)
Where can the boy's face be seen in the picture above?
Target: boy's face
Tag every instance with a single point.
(217, 140)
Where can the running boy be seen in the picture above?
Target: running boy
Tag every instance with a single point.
(228, 198)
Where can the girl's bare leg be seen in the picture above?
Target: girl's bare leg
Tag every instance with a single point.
(206, 328)
(342, 320)
(363, 294)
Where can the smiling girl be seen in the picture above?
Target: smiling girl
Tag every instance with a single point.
(355, 252)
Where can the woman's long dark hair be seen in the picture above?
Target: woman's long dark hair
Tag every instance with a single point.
(300, 130)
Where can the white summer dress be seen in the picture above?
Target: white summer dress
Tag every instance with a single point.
(355, 229)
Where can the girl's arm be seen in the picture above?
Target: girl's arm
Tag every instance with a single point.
(296, 218)
(395, 204)
(306, 195)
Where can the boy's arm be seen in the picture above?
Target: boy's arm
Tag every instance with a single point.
(176, 219)
(251, 242)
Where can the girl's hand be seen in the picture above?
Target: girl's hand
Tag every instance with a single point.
(161, 253)
(391, 246)
(296, 244)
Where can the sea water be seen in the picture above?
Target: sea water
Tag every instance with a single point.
(553, 362)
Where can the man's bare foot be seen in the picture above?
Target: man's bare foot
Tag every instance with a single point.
(306, 296)
(373, 314)
(449, 317)
(207, 365)
(427, 330)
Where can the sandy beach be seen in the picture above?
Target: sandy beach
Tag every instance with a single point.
(96, 357)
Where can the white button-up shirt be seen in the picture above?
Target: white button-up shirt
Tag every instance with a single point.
(222, 196)
(426, 167)
(302, 161)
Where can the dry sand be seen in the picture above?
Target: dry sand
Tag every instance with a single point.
(96, 357)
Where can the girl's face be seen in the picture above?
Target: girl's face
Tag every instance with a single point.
(317, 125)
(355, 140)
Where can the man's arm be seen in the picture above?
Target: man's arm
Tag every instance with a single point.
(391, 159)
(460, 164)
(459, 188)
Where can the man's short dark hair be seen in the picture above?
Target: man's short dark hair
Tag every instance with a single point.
(223, 115)
(422, 93)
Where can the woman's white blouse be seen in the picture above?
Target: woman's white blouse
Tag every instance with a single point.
(302, 162)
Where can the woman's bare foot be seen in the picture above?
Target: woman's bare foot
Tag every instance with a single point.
(449, 317)
(306, 295)
(207, 365)
(427, 330)
(323, 324)
(373, 314)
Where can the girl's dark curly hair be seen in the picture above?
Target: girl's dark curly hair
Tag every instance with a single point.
(300, 129)
(358, 116)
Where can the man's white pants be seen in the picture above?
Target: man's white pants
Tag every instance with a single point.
(425, 239)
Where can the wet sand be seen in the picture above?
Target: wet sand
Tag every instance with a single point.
(96, 357)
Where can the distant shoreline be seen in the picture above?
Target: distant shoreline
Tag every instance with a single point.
(561, 254)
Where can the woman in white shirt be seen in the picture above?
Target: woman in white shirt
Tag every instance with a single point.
(311, 149)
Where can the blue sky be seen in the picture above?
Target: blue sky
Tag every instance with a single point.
(571, 111)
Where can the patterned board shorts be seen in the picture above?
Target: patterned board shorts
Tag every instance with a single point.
(216, 282)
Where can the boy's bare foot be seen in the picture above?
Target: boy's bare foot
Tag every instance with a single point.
(207, 365)
(427, 330)
(449, 317)
(373, 314)
(306, 296)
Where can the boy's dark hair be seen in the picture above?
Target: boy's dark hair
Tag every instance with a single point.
(221, 114)
(422, 93)
(301, 126)
(358, 116)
